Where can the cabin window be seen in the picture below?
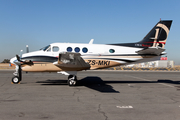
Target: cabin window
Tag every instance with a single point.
(85, 50)
(77, 49)
(55, 49)
(111, 50)
(69, 49)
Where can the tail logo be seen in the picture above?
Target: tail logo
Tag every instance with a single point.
(157, 41)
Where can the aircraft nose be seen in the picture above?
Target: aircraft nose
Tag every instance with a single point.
(13, 60)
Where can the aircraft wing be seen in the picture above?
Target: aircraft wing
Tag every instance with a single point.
(151, 51)
(69, 61)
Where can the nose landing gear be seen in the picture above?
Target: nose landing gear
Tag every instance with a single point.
(16, 80)
(18, 75)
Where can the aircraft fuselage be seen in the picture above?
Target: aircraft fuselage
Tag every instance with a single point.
(99, 56)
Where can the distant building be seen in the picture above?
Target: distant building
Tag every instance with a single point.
(163, 63)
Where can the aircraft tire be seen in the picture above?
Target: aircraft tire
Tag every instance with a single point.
(72, 80)
(15, 80)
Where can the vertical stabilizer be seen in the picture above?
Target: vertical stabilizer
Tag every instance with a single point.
(158, 35)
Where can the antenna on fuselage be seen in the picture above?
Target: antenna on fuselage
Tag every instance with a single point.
(91, 41)
(27, 49)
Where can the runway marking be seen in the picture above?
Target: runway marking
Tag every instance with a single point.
(151, 80)
(124, 107)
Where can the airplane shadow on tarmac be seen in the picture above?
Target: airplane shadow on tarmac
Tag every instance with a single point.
(168, 81)
(96, 83)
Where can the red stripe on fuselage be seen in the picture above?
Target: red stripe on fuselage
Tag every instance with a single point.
(156, 42)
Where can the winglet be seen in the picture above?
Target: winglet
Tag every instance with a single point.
(91, 41)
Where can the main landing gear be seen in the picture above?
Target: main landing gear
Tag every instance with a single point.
(72, 80)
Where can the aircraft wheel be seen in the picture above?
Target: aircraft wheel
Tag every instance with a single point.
(72, 80)
(15, 80)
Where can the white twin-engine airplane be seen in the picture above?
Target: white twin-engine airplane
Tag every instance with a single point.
(69, 58)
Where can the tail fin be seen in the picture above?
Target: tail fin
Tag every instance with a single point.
(158, 35)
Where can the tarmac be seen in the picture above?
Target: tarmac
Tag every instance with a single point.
(99, 95)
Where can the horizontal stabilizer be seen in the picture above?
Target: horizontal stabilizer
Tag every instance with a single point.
(151, 51)
(69, 61)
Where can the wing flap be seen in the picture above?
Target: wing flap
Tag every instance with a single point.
(69, 61)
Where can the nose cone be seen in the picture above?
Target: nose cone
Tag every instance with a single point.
(13, 60)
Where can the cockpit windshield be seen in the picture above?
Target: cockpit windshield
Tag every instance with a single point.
(45, 48)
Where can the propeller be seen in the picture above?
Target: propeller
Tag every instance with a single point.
(18, 58)
(23, 62)
(19, 62)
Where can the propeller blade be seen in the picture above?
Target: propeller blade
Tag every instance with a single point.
(18, 58)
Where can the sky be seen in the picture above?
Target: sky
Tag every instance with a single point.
(38, 23)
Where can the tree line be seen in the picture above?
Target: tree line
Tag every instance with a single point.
(6, 61)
